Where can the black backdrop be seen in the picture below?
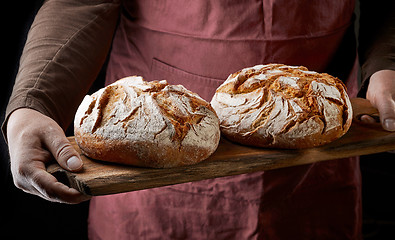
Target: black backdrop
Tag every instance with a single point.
(26, 216)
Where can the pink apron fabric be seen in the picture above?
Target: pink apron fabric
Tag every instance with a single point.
(198, 44)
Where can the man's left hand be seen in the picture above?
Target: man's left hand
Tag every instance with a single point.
(381, 94)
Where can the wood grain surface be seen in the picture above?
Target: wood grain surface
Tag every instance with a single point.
(101, 178)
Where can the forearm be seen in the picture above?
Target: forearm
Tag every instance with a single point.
(66, 47)
(376, 39)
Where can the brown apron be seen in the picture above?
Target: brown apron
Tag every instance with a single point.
(198, 44)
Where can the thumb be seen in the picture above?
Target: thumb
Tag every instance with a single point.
(387, 114)
(61, 148)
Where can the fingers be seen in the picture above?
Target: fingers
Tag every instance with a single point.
(30, 175)
(368, 119)
(41, 183)
(381, 93)
(50, 189)
(387, 113)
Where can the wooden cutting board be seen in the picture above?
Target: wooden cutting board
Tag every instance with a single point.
(101, 178)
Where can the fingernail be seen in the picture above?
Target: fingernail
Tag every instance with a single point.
(367, 119)
(74, 163)
(389, 124)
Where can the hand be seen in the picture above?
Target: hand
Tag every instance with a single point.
(381, 94)
(35, 139)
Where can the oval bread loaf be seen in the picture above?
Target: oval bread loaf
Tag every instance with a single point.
(282, 106)
(150, 124)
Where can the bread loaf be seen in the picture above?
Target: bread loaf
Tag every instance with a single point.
(150, 124)
(281, 106)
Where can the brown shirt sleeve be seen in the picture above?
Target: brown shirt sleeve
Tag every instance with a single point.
(376, 39)
(65, 49)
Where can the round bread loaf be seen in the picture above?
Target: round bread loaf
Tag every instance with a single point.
(282, 106)
(150, 124)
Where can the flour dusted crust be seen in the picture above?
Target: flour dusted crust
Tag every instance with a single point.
(282, 106)
(150, 124)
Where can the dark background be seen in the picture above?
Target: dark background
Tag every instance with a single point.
(26, 216)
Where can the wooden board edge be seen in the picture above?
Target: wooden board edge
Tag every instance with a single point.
(167, 177)
(68, 178)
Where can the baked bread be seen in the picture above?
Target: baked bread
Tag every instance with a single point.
(281, 106)
(150, 124)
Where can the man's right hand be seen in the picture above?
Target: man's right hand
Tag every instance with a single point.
(34, 140)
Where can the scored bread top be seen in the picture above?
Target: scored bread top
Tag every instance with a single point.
(276, 105)
(147, 116)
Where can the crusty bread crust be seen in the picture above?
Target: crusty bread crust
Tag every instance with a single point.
(149, 124)
(281, 106)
